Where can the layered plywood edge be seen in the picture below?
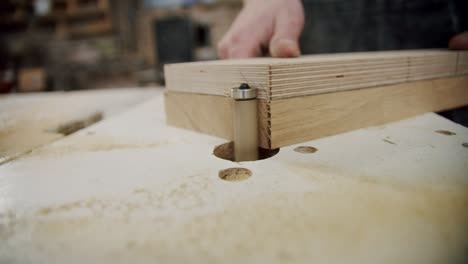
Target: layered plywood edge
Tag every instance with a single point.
(314, 96)
(315, 74)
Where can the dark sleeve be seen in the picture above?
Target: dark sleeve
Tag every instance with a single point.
(461, 14)
(369, 25)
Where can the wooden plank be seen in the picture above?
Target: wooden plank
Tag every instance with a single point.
(294, 120)
(305, 118)
(132, 189)
(315, 74)
(202, 113)
(208, 114)
(30, 121)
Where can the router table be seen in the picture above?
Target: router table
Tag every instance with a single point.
(98, 177)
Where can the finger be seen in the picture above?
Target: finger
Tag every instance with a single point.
(284, 48)
(238, 45)
(244, 51)
(245, 40)
(288, 28)
(459, 42)
(223, 49)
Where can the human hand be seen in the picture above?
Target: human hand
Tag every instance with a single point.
(272, 24)
(459, 41)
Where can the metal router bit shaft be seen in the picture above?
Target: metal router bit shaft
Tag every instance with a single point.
(245, 123)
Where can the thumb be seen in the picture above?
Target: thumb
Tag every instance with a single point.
(459, 42)
(287, 30)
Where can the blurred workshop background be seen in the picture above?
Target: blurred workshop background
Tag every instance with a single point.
(52, 45)
(61, 45)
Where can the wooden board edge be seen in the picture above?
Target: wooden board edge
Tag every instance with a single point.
(300, 119)
(210, 114)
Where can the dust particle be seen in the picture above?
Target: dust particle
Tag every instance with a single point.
(389, 142)
(140, 190)
(45, 211)
(131, 244)
(446, 132)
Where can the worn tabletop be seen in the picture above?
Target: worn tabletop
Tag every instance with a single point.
(129, 188)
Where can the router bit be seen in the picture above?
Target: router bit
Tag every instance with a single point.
(245, 123)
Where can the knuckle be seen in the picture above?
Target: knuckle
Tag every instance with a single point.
(235, 39)
(222, 50)
(221, 45)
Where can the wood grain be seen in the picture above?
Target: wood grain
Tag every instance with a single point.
(305, 118)
(294, 120)
(209, 114)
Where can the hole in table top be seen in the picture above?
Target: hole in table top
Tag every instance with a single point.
(226, 152)
(235, 174)
(306, 149)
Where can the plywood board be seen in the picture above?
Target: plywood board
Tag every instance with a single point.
(131, 189)
(210, 114)
(294, 120)
(315, 74)
(30, 121)
(304, 118)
